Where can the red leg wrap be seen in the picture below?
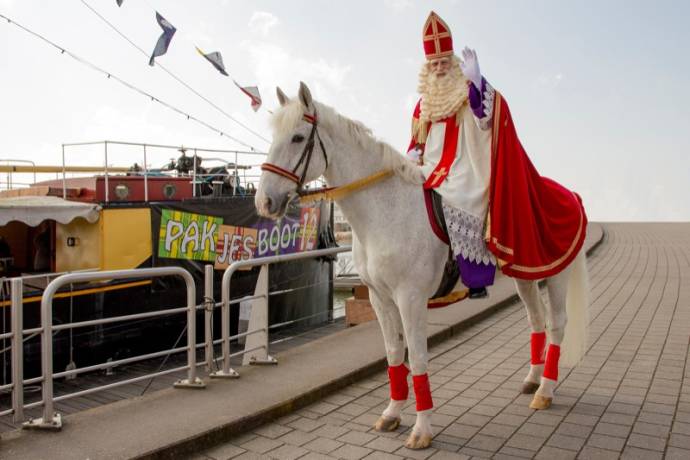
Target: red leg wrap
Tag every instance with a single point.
(422, 392)
(397, 375)
(538, 346)
(551, 366)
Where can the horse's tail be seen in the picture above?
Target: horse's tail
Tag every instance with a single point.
(574, 343)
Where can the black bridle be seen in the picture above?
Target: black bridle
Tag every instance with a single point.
(305, 157)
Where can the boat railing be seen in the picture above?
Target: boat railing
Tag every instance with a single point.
(146, 171)
(256, 337)
(10, 184)
(242, 166)
(235, 161)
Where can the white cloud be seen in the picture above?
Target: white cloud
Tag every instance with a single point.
(263, 22)
(274, 65)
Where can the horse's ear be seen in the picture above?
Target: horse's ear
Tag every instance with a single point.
(305, 96)
(282, 98)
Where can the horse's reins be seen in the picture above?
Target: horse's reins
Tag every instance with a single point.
(330, 193)
(304, 158)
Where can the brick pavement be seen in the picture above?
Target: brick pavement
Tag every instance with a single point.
(629, 398)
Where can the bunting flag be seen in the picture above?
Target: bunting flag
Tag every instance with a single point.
(164, 40)
(253, 93)
(119, 2)
(215, 59)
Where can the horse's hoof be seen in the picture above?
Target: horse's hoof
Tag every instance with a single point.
(387, 424)
(529, 388)
(418, 441)
(540, 402)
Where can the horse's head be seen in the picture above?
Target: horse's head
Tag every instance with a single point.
(297, 155)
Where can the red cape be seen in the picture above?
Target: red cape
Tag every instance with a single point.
(536, 227)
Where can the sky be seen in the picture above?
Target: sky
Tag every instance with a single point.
(598, 89)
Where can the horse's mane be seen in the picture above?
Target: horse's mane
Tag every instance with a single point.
(287, 117)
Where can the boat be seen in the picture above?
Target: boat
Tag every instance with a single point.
(190, 212)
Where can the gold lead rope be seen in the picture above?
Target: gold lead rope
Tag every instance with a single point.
(338, 193)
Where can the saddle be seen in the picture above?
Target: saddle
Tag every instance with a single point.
(444, 294)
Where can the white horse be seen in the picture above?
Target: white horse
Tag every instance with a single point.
(395, 252)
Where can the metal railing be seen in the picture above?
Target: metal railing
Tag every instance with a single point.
(146, 171)
(256, 345)
(50, 419)
(242, 166)
(256, 336)
(10, 184)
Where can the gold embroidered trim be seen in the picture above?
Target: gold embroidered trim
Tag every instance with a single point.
(419, 131)
(560, 260)
(505, 249)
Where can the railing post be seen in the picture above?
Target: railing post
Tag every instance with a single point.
(50, 419)
(64, 175)
(258, 320)
(235, 180)
(192, 381)
(106, 170)
(209, 304)
(146, 178)
(194, 175)
(226, 372)
(16, 288)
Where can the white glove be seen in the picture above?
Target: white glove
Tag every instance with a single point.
(470, 67)
(414, 154)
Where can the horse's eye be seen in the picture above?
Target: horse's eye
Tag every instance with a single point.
(297, 138)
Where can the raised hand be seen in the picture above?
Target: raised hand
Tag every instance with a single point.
(470, 67)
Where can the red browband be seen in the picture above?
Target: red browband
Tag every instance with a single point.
(309, 118)
(280, 171)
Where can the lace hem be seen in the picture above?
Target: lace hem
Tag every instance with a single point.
(467, 236)
(488, 95)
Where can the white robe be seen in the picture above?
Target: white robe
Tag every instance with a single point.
(467, 185)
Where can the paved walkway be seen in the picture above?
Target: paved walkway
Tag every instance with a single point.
(630, 397)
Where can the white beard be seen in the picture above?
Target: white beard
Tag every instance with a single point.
(442, 97)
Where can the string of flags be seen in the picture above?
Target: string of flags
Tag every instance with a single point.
(215, 58)
(112, 76)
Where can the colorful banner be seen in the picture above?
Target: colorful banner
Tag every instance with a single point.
(184, 235)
